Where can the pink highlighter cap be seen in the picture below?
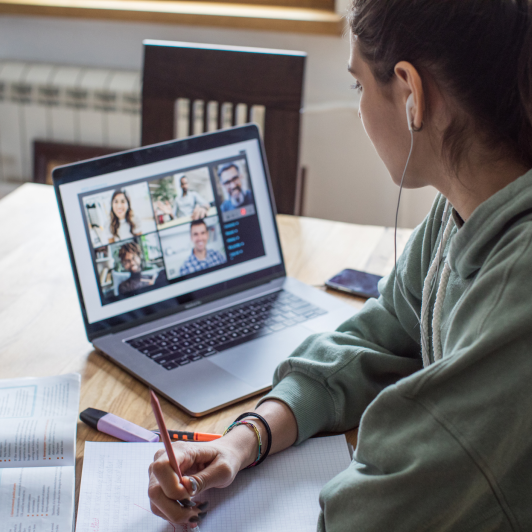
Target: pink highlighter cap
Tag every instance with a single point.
(117, 427)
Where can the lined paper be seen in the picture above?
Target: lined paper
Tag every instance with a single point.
(280, 494)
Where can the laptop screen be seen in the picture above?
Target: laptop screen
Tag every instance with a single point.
(154, 235)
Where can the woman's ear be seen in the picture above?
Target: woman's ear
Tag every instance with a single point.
(413, 94)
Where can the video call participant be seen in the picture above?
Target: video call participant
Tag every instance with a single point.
(122, 224)
(130, 257)
(200, 257)
(231, 179)
(188, 203)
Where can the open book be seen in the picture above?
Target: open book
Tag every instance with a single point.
(38, 420)
(280, 494)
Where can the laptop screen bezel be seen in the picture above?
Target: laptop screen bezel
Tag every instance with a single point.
(150, 154)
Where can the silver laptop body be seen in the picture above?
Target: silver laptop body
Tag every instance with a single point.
(179, 271)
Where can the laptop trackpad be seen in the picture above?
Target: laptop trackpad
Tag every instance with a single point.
(254, 362)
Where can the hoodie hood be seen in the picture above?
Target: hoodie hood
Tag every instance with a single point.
(472, 244)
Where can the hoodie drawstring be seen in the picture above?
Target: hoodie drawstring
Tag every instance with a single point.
(427, 292)
(436, 318)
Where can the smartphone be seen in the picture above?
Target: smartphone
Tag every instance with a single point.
(355, 282)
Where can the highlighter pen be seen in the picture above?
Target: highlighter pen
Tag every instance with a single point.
(116, 426)
(127, 431)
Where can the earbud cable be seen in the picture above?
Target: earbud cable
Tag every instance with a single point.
(423, 337)
(439, 256)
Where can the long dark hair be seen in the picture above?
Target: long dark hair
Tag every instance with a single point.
(115, 222)
(478, 51)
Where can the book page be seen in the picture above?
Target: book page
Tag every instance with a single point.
(280, 494)
(38, 417)
(37, 499)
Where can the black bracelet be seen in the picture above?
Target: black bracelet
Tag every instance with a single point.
(268, 432)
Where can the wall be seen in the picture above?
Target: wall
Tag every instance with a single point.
(345, 179)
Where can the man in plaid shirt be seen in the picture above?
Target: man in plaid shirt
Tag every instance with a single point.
(200, 258)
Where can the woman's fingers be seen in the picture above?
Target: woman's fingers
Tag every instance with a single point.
(175, 511)
(156, 511)
(168, 509)
(167, 480)
(158, 454)
(203, 465)
(194, 460)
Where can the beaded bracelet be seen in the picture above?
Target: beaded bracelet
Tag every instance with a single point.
(253, 427)
(268, 432)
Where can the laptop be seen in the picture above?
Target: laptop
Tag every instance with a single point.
(179, 270)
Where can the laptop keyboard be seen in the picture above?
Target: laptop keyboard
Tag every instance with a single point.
(208, 335)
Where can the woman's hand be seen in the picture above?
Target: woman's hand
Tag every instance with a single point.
(214, 464)
(204, 465)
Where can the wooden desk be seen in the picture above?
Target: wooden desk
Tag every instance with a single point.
(42, 333)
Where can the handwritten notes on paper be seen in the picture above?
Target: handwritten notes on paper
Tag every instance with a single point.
(281, 494)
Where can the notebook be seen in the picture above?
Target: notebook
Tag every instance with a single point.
(280, 494)
(38, 419)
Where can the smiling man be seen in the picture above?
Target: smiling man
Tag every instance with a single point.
(130, 256)
(200, 258)
(231, 180)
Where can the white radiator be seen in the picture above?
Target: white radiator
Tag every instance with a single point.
(87, 106)
(57, 103)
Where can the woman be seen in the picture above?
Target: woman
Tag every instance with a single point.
(122, 224)
(445, 406)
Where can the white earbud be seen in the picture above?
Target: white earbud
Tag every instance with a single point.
(409, 106)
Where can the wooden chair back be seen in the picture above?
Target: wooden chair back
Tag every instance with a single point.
(235, 78)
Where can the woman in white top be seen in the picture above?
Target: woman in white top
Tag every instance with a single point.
(122, 224)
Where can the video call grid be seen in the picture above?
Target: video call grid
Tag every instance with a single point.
(146, 267)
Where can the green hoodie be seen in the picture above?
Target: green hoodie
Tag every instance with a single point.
(449, 446)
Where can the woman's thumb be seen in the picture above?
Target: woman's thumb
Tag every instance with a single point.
(192, 485)
(217, 474)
